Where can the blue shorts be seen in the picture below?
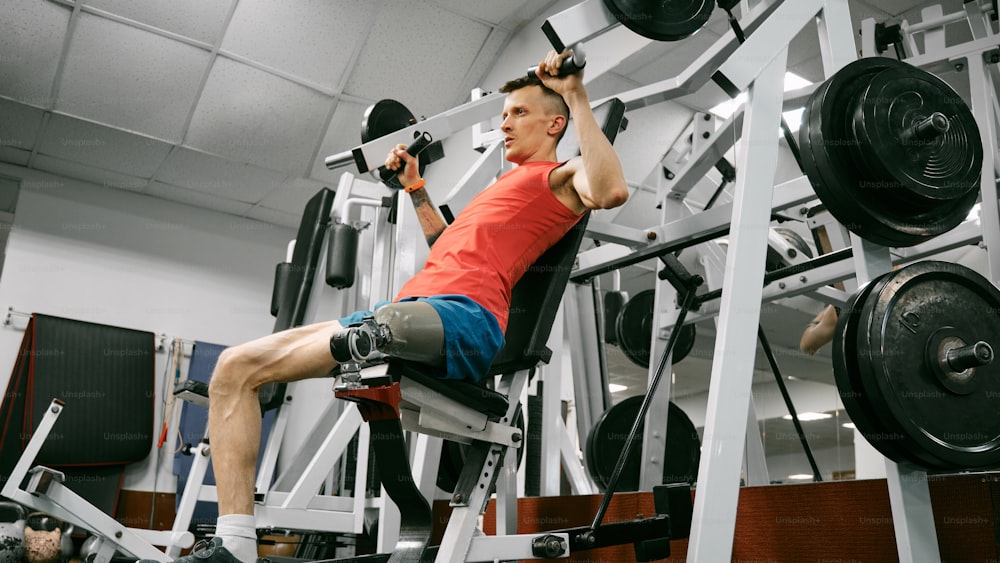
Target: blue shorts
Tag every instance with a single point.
(472, 335)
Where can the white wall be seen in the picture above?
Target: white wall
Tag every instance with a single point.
(108, 256)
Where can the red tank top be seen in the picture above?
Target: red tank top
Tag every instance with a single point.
(495, 239)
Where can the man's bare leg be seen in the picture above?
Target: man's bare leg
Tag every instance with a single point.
(234, 417)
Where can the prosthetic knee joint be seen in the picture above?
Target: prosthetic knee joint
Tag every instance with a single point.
(408, 331)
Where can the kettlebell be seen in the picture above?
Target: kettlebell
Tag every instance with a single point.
(11, 533)
(46, 539)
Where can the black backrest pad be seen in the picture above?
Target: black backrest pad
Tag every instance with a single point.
(534, 303)
(294, 300)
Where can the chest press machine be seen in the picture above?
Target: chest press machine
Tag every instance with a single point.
(410, 395)
(407, 393)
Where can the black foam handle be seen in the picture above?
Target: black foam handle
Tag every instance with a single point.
(571, 65)
(422, 141)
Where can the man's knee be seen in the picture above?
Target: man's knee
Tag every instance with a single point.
(234, 370)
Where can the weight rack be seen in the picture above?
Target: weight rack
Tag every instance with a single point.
(715, 507)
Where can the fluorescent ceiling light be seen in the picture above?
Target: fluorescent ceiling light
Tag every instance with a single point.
(849, 425)
(809, 416)
(614, 387)
(793, 117)
(801, 476)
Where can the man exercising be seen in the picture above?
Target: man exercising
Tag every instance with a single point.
(463, 291)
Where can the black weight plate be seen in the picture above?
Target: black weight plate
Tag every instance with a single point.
(453, 455)
(613, 303)
(827, 170)
(949, 430)
(833, 171)
(848, 379)
(903, 448)
(384, 117)
(662, 20)
(635, 327)
(634, 330)
(928, 170)
(607, 440)
(830, 163)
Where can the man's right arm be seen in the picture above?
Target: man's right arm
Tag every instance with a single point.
(430, 220)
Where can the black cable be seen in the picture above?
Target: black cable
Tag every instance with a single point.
(686, 303)
(715, 196)
(788, 402)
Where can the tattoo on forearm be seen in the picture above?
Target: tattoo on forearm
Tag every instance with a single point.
(430, 222)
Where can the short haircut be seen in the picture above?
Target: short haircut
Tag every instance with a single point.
(555, 103)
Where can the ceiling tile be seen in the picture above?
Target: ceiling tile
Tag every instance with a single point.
(31, 40)
(198, 199)
(97, 176)
(253, 116)
(491, 11)
(14, 156)
(130, 78)
(343, 135)
(196, 19)
(488, 53)
(412, 79)
(19, 125)
(219, 177)
(293, 194)
(275, 217)
(310, 39)
(97, 145)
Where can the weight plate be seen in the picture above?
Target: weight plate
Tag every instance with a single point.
(917, 134)
(853, 193)
(832, 170)
(775, 260)
(948, 429)
(634, 330)
(613, 303)
(662, 20)
(848, 379)
(384, 117)
(453, 455)
(607, 440)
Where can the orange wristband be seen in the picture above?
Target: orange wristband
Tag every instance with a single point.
(420, 183)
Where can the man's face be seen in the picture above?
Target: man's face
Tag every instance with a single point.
(527, 125)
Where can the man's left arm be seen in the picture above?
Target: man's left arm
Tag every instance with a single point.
(598, 177)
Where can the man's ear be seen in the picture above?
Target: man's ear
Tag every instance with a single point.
(559, 123)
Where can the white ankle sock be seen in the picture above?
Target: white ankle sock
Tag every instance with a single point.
(239, 536)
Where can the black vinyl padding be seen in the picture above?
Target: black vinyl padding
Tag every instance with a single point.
(297, 284)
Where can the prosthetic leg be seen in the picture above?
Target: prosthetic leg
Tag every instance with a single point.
(410, 331)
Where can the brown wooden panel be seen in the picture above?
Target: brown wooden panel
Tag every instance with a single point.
(836, 521)
(134, 510)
